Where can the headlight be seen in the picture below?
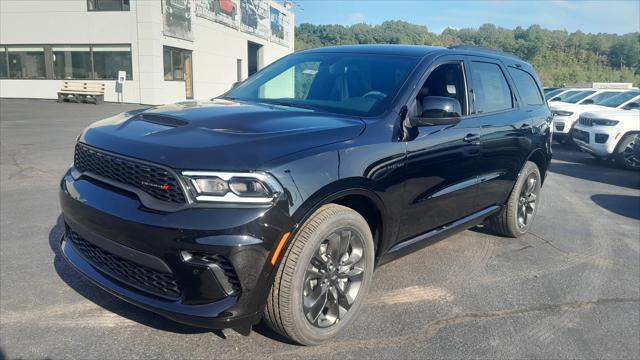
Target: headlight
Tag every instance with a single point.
(232, 187)
(562, 113)
(605, 122)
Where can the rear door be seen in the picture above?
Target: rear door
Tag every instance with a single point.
(505, 127)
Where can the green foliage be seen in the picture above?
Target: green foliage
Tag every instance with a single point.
(558, 56)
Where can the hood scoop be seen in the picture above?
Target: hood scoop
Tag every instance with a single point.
(164, 120)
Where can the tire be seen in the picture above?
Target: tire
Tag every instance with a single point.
(624, 153)
(509, 220)
(288, 310)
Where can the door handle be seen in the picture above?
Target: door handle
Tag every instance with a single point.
(471, 138)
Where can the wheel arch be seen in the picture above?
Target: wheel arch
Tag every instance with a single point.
(358, 197)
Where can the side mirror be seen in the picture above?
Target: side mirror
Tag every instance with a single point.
(588, 101)
(555, 99)
(632, 105)
(438, 110)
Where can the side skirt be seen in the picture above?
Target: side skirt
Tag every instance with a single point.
(408, 246)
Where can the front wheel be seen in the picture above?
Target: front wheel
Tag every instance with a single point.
(323, 277)
(626, 154)
(516, 216)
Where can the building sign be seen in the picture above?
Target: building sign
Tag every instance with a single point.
(254, 17)
(177, 19)
(226, 12)
(279, 27)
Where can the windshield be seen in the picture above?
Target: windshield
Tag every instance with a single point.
(619, 99)
(565, 95)
(348, 84)
(551, 93)
(578, 97)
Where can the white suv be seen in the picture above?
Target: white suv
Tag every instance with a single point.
(611, 134)
(565, 113)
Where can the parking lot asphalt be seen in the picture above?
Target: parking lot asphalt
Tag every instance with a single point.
(569, 289)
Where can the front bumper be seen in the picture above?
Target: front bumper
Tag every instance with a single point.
(591, 142)
(147, 242)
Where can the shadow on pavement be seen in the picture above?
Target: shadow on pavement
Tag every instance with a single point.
(624, 205)
(583, 166)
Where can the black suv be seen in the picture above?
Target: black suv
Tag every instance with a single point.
(278, 199)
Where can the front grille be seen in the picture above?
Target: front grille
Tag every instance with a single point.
(224, 264)
(155, 181)
(585, 121)
(144, 278)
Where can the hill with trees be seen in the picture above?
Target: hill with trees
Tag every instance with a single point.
(558, 56)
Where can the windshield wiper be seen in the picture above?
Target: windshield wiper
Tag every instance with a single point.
(288, 104)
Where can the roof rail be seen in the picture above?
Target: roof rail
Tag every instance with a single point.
(483, 49)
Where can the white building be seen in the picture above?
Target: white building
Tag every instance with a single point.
(172, 50)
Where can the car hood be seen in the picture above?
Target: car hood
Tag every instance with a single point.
(613, 114)
(218, 134)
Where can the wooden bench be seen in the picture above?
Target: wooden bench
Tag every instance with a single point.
(82, 91)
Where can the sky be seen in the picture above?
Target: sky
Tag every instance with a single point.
(589, 16)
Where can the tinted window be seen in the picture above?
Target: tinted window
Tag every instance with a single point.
(109, 59)
(4, 68)
(352, 84)
(490, 88)
(578, 97)
(108, 5)
(71, 62)
(548, 95)
(619, 99)
(26, 62)
(565, 95)
(446, 80)
(600, 97)
(526, 86)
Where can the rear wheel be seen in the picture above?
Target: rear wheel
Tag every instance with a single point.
(516, 216)
(626, 155)
(323, 277)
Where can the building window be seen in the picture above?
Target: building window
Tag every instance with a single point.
(65, 62)
(71, 62)
(26, 62)
(4, 65)
(174, 63)
(109, 59)
(108, 5)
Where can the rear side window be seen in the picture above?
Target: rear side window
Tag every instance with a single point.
(527, 86)
(490, 88)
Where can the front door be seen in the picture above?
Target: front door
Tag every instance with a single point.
(441, 167)
(188, 76)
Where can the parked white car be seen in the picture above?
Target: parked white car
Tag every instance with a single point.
(611, 134)
(565, 113)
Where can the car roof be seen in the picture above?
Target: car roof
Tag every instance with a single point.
(420, 51)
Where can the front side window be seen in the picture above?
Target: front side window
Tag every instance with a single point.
(447, 80)
(566, 95)
(109, 59)
(71, 62)
(108, 5)
(490, 88)
(174, 63)
(349, 84)
(26, 62)
(527, 87)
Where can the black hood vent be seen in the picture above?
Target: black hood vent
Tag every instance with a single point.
(162, 120)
